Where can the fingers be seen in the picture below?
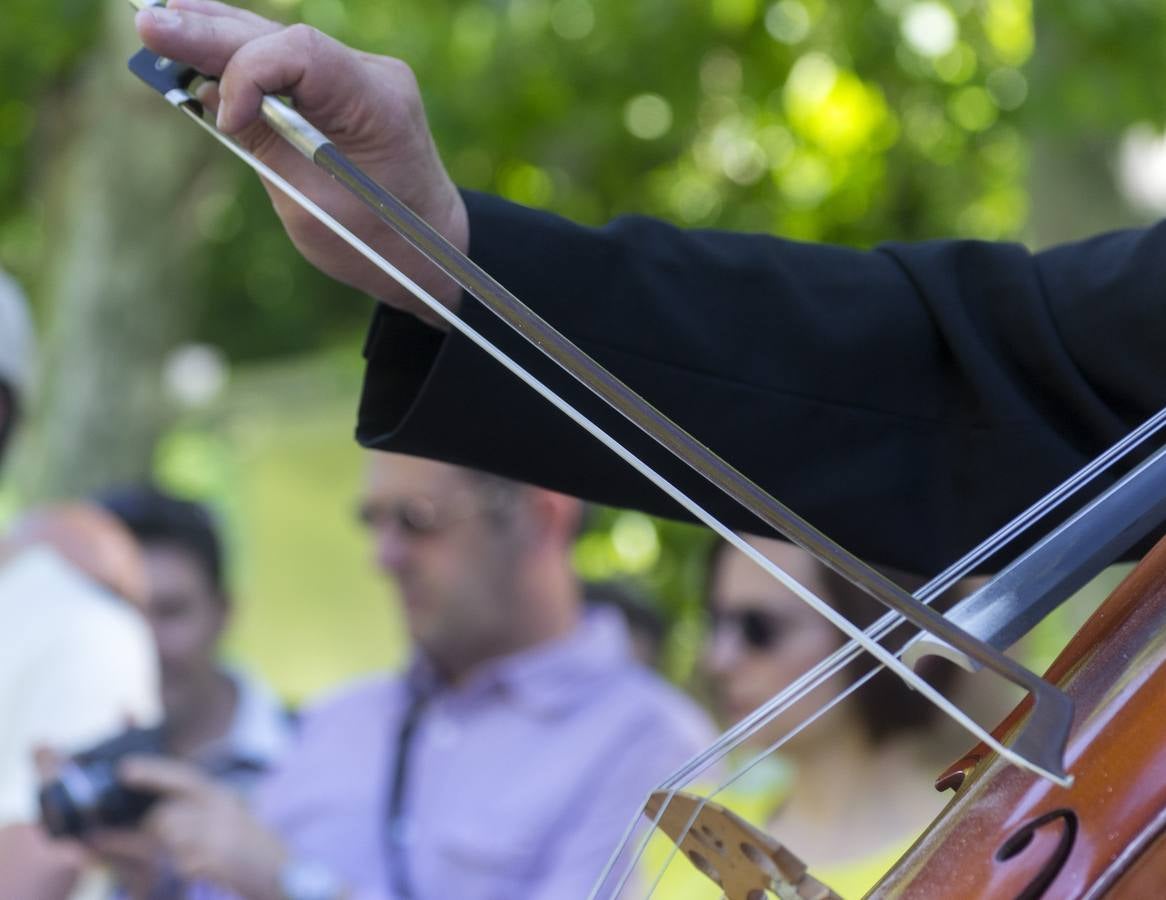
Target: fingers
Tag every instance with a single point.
(214, 8)
(47, 762)
(207, 94)
(183, 834)
(214, 837)
(122, 846)
(254, 56)
(369, 106)
(168, 777)
(326, 78)
(204, 39)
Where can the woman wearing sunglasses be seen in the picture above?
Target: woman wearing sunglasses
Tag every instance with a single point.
(851, 792)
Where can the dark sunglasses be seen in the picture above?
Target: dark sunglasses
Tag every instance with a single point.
(758, 629)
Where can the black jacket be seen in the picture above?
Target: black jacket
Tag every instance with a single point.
(906, 400)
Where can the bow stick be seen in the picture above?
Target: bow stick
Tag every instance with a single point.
(1040, 742)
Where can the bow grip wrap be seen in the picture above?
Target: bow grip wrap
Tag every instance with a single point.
(169, 78)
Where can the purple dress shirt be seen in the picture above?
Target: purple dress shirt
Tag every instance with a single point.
(518, 782)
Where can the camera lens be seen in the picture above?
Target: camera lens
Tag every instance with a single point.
(58, 812)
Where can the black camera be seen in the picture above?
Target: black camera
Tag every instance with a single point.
(87, 795)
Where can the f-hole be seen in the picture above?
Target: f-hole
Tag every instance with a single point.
(1062, 820)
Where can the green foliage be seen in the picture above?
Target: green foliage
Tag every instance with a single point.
(850, 121)
(666, 557)
(40, 44)
(1099, 65)
(812, 119)
(262, 299)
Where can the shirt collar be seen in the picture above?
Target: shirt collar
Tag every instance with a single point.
(548, 678)
(260, 729)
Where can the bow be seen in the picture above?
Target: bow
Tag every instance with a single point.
(1037, 746)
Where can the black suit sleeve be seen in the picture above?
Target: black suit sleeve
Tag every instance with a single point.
(906, 400)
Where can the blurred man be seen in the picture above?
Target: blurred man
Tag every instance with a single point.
(505, 761)
(223, 720)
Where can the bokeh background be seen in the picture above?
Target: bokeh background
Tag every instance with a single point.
(184, 339)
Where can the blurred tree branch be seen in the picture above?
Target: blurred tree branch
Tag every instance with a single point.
(118, 278)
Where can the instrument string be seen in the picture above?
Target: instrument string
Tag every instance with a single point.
(752, 763)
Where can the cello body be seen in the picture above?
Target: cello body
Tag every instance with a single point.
(1008, 833)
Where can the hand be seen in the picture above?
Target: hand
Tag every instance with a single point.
(205, 828)
(369, 106)
(139, 863)
(34, 867)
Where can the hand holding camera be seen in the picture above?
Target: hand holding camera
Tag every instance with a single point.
(85, 793)
(205, 828)
(134, 807)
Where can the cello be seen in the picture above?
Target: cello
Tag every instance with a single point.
(1015, 836)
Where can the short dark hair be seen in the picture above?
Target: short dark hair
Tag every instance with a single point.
(885, 705)
(10, 405)
(634, 603)
(155, 517)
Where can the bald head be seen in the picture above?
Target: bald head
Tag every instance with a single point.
(92, 540)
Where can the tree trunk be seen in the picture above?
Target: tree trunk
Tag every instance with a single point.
(119, 279)
(1074, 193)
(1073, 187)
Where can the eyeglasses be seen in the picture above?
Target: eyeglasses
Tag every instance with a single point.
(418, 517)
(759, 629)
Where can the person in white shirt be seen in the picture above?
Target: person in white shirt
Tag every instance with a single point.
(79, 666)
(77, 661)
